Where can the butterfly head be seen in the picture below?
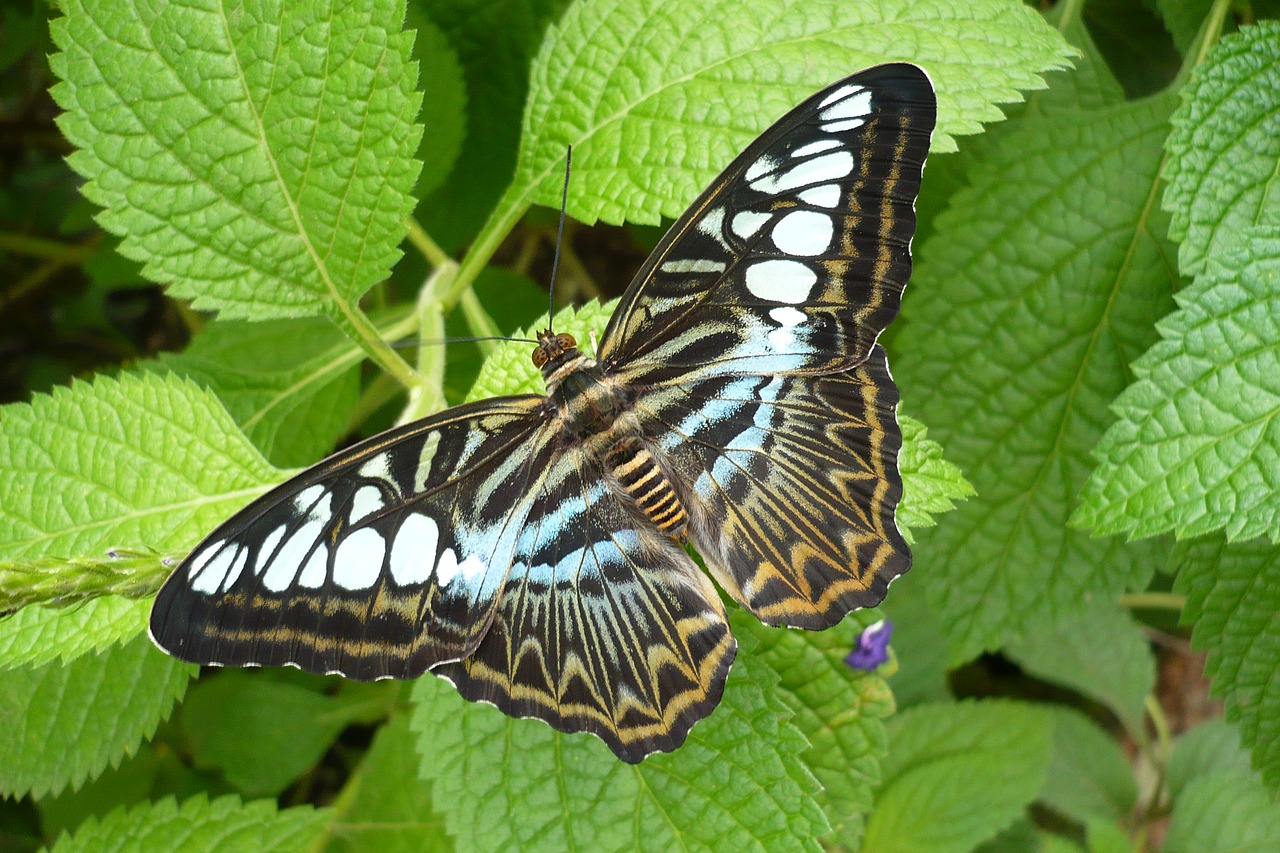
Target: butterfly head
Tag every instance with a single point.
(554, 351)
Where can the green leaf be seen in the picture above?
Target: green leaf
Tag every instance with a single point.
(258, 158)
(262, 733)
(1106, 836)
(1211, 747)
(1224, 813)
(444, 102)
(1043, 279)
(1198, 440)
(727, 73)
(510, 369)
(1101, 653)
(919, 644)
(933, 485)
(1224, 147)
(132, 782)
(38, 635)
(1233, 600)
(738, 782)
(290, 385)
(1089, 777)
(224, 825)
(495, 41)
(391, 808)
(838, 709)
(1183, 19)
(66, 722)
(940, 756)
(138, 460)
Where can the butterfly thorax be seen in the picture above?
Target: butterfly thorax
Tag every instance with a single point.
(594, 407)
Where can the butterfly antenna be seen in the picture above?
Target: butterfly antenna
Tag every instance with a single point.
(555, 261)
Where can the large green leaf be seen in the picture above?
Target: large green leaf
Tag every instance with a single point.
(1224, 146)
(1067, 653)
(957, 774)
(1197, 444)
(1233, 600)
(728, 71)
(225, 825)
(387, 807)
(1224, 813)
(260, 158)
(64, 723)
(739, 781)
(1042, 280)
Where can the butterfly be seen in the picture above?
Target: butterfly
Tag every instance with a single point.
(531, 549)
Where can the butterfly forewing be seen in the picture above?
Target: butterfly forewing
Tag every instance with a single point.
(381, 561)
(605, 625)
(795, 258)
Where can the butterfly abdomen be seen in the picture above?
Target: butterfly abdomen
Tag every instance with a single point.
(644, 481)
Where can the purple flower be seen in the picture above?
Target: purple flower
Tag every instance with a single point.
(872, 648)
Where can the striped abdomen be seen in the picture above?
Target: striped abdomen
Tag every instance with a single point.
(644, 482)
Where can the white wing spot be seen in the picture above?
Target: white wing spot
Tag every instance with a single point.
(447, 568)
(816, 147)
(268, 547)
(713, 226)
(747, 223)
(763, 166)
(203, 558)
(826, 195)
(841, 126)
(368, 499)
(803, 232)
(472, 568)
(413, 553)
(377, 468)
(212, 572)
(308, 497)
(358, 560)
(316, 569)
(840, 94)
(858, 106)
(284, 568)
(787, 319)
(693, 266)
(781, 281)
(819, 170)
(242, 558)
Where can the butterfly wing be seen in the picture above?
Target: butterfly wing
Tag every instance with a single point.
(381, 561)
(749, 336)
(791, 483)
(606, 626)
(796, 256)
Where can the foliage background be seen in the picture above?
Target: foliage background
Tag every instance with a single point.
(214, 220)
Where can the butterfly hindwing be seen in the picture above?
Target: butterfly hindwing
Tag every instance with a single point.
(381, 561)
(795, 258)
(792, 484)
(604, 626)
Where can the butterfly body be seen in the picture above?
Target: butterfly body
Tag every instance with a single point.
(530, 549)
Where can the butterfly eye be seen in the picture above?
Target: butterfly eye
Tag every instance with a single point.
(566, 341)
(539, 357)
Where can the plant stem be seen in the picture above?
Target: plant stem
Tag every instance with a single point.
(479, 322)
(1153, 601)
(423, 243)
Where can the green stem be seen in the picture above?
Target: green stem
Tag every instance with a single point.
(1205, 40)
(57, 583)
(38, 247)
(479, 322)
(427, 397)
(366, 335)
(1153, 601)
(505, 215)
(429, 248)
